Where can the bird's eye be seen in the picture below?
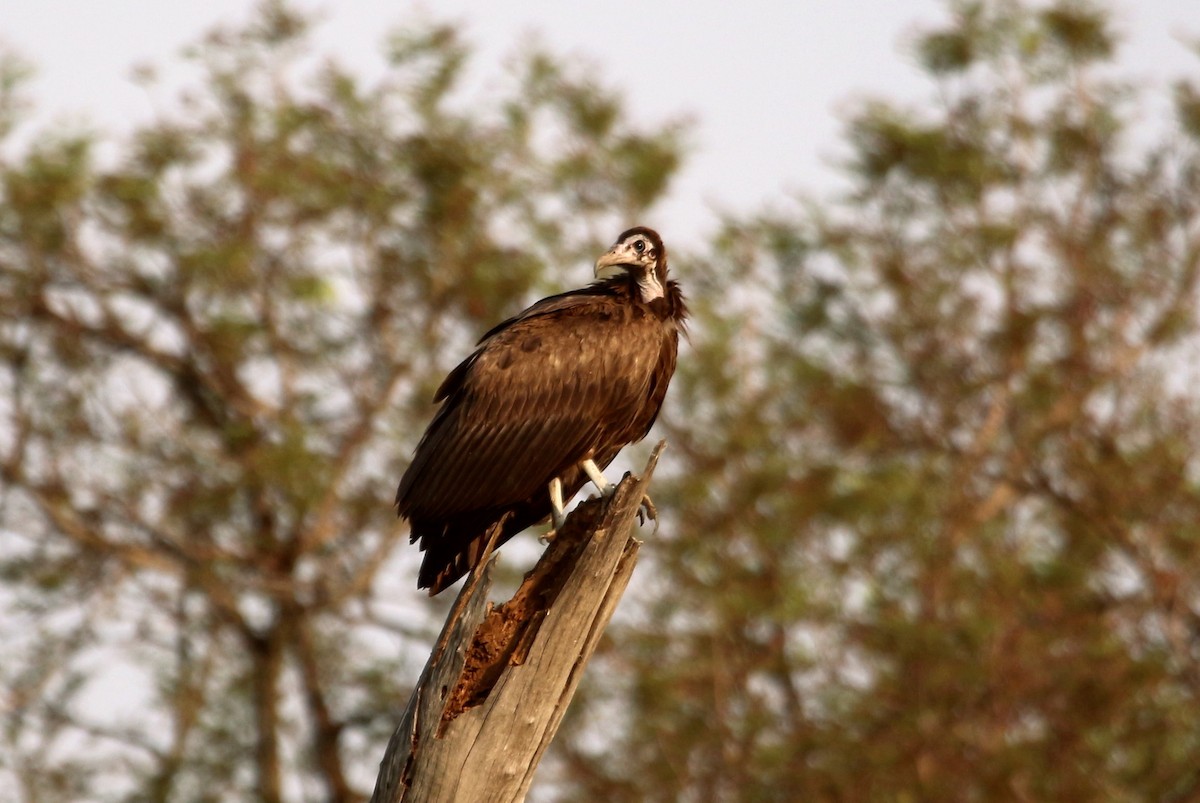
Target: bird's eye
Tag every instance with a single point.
(639, 246)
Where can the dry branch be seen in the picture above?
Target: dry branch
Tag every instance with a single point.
(495, 689)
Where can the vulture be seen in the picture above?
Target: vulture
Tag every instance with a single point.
(544, 403)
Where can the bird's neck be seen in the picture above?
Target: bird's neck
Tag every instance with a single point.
(648, 287)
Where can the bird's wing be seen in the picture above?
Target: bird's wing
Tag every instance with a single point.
(537, 396)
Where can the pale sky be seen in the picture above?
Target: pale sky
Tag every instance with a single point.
(766, 82)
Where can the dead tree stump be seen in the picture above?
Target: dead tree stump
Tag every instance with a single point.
(500, 678)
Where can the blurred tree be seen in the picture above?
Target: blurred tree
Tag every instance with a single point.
(932, 493)
(216, 355)
(934, 527)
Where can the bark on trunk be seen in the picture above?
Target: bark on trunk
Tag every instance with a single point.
(495, 689)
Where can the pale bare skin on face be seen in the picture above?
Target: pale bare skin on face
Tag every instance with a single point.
(636, 250)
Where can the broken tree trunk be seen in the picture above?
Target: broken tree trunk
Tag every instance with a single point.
(495, 689)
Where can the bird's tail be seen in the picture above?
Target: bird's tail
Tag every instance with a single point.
(446, 560)
(453, 549)
(456, 545)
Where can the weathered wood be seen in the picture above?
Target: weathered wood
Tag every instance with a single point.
(496, 687)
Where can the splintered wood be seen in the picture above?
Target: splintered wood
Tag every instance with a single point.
(490, 700)
(504, 637)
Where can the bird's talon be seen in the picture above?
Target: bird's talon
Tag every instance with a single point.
(647, 511)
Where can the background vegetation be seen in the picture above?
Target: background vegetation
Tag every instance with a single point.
(931, 508)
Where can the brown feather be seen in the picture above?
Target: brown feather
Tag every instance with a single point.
(576, 376)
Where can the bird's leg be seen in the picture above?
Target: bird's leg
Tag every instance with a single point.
(598, 479)
(557, 517)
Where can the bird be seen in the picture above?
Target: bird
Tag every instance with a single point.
(541, 406)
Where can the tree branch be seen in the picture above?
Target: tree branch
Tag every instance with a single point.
(487, 705)
(327, 730)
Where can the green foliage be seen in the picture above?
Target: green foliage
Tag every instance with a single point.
(1081, 30)
(1187, 107)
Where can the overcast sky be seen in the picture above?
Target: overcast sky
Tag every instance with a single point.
(766, 82)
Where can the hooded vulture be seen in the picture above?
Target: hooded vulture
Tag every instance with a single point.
(544, 403)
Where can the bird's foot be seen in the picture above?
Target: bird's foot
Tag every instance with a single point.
(647, 510)
(545, 538)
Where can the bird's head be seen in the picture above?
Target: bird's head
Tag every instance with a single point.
(640, 254)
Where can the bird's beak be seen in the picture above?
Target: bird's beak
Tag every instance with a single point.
(614, 261)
